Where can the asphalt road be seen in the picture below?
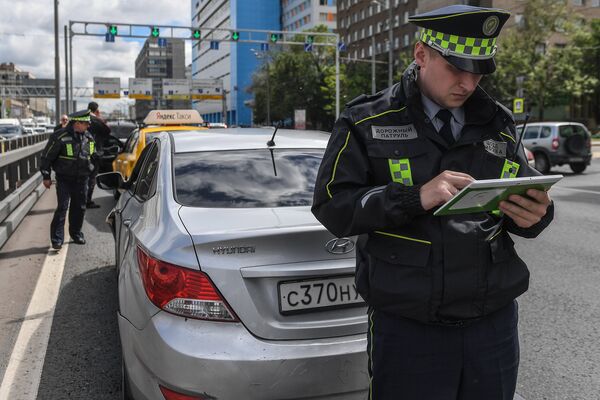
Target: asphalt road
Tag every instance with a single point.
(559, 325)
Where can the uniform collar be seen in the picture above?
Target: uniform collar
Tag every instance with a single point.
(431, 109)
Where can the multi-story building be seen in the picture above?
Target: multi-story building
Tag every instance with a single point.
(158, 63)
(300, 15)
(11, 76)
(360, 20)
(233, 63)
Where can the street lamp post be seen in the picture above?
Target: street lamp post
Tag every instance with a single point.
(56, 65)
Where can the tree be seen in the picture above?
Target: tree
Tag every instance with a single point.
(553, 74)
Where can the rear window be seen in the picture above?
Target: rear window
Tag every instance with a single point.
(121, 131)
(249, 178)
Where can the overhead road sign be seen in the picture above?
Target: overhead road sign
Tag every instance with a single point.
(140, 88)
(107, 88)
(113, 30)
(207, 89)
(176, 89)
(235, 36)
(162, 42)
(308, 47)
(214, 45)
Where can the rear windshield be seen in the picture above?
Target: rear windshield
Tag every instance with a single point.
(121, 131)
(9, 129)
(249, 178)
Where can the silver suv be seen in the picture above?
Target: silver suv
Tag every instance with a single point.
(558, 143)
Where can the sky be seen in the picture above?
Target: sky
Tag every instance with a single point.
(27, 37)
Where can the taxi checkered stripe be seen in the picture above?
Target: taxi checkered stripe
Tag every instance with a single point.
(459, 44)
(400, 170)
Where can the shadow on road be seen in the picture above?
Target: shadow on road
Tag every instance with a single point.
(83, 359)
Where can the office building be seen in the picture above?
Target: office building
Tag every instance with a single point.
(159, 62)
(300, 15)
(232, 62)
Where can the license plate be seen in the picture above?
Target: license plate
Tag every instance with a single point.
(316, 294)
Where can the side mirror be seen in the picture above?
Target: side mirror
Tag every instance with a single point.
(110, 180)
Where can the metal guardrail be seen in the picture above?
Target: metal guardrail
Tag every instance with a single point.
(22, 141)
(20, 164)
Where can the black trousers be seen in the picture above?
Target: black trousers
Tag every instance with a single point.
(409, 360)
(71, 191)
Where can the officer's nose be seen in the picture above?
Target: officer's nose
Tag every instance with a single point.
(469, 81)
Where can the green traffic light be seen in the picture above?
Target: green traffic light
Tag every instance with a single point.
(113, 30)
(310, 39)
(155, 32)
(196, 34)
(235, 35)
(274, 37)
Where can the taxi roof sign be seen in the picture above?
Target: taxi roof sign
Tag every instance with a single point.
(173, 117)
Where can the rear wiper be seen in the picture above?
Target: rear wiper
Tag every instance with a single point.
(271, 142)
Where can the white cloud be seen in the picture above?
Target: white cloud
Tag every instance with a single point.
(27, 35)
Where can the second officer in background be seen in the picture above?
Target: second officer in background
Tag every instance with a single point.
(69, 153)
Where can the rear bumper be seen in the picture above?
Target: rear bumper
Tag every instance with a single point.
(566, 159)
(225, 361)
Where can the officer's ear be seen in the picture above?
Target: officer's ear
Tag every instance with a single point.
(420, 54)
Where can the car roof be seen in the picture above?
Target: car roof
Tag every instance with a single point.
(169, 128)
(248, 138)
(552, 123)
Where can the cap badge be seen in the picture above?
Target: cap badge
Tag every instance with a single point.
(490, 25)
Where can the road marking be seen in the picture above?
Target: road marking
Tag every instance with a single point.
(24, 371)
(576, 190)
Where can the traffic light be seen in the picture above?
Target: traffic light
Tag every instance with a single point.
(113, 30)
(155, 32)
(196, 34)
(310, 39)
(235, 36)
(274, 37)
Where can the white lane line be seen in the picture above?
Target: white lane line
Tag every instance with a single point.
(24, 371)
(576, 190)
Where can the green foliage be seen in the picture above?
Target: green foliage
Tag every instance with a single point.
(552, 73)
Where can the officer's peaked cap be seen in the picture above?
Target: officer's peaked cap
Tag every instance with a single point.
(81, 116)
(465, 35)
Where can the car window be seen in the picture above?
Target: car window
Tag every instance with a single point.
(132, 142)
(546, 132)
(145, 187)
(579, 130)
(244, 179)
(565, 130)
(531, 132)
(121, 131)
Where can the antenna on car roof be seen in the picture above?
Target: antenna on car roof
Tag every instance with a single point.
(271, 142)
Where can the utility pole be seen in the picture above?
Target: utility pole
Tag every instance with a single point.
(67, 103)
(391, 44)
(268, 93)
(373, 83)
(56, 65)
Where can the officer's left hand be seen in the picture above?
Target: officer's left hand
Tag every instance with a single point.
(526, 211)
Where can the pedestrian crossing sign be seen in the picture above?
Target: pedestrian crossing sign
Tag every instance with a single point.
(518, 106)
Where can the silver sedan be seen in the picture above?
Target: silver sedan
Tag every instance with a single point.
(228, 286)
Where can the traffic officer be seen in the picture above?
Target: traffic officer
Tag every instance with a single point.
(69, 153)
(441, 290)
(100, 131)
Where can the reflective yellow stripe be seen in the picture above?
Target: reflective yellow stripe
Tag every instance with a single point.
(335, 165)
(455, 15)
(495, 234)
(66, 158)
(92, 144)
(508, 136)
(403, 237)
(69, 149)
(378, 115)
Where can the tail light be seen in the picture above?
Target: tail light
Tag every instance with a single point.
(182, 291)
(555, 144)
(588, 142)
(172, 395)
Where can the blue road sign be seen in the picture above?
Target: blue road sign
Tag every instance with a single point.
(308, 47)
(341, 46)
(264, 47)
(125, 92)
(214, 45)
(109, 37)
(162, 42)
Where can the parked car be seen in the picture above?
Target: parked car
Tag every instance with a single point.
(558, 143)
(121, 128)
(228, 286)
(10, 128)
(156, 121)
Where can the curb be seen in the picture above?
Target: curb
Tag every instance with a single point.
(16, 206)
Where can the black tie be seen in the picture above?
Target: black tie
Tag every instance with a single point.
(446, 130)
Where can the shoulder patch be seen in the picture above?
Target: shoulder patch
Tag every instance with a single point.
(363, 98)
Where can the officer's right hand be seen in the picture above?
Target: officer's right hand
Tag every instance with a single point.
(47, 183)
(441, 188)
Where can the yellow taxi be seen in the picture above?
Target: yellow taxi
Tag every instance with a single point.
(155, 122)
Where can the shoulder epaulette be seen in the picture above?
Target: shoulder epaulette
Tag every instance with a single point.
(506, 110)
(363, 98)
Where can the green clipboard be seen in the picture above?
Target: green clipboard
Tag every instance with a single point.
(484, 195)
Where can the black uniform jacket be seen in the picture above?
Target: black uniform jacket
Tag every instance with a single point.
(68, 153)
(410, 263)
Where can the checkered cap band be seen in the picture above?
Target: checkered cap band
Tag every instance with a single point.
(460, 46)
(81, 119)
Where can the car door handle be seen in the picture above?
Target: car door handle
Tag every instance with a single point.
(127, 222)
